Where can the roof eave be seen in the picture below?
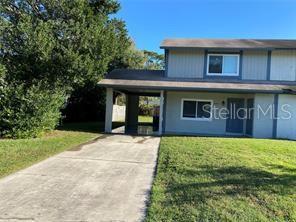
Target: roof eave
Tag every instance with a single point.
(223, 48)
(141, 87)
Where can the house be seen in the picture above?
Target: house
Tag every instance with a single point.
(219, 87)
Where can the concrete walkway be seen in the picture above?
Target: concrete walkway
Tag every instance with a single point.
(107, 180)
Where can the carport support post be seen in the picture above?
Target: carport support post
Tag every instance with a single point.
(160, 113)
(109, 110)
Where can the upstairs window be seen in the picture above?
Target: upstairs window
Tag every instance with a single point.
(193, 109)
(223, 65)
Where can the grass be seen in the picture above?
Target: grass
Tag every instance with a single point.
(145, 119)
(224, 179)
(20, 153)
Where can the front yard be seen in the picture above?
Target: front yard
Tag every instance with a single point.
(21, 153)
(224, 179)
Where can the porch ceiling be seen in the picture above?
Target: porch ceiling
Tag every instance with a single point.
(155, 80)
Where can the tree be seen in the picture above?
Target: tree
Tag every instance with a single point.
(49, 47)
(153, 60)
(65, 42)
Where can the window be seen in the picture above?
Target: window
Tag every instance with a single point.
(196, 109)
(223, 64)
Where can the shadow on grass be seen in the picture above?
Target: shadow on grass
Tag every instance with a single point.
(89, 127)
(231, 181)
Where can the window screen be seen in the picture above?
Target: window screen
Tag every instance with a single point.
(215, 64)
(189, 109)
(197, 109)
(223, 64)
(203, 110)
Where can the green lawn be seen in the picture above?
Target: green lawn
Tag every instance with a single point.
(224, 179)
(145, 119)
(21, 153)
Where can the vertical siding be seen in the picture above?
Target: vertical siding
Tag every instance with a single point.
(263, 123)
(283, 65)
(186, 63)
(174, 124)
(286, 127)
(254, 65)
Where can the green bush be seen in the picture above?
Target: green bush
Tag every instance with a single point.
(28, 111)
(146, 110)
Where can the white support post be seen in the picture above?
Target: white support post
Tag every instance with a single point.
(109, 110)
(160, 113)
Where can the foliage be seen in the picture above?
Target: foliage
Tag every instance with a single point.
(131, 58)
(224, 179)
(146, 109)
(85, 104)
(65, 43)
(28, 111)
(153, 60)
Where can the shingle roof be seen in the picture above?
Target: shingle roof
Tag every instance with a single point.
(156, 80)
(230, 43)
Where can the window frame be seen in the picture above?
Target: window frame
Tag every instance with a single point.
(196, 118)
(223, 55)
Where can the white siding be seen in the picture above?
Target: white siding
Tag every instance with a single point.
(254, 65)
(263, 122)
(174, 124)
(286, 127)
(283, 65)
(185, 63)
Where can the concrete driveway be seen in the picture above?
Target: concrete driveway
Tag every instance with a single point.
(107, 180)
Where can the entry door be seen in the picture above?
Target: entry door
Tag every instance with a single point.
(235, 122)
(250, 115)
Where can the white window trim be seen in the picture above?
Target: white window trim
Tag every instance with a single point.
(195, 118)
(223, 74)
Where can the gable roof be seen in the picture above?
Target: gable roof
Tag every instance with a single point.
(156, 80)
(230, 43)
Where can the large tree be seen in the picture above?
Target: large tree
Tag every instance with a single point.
(62, 42)
(48, 47)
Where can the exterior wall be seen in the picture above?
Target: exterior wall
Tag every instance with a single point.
(254, 65)
(263, 124)
(283, 65)
(189, 63)
(174, 124)
(185, 63)
(286, 127)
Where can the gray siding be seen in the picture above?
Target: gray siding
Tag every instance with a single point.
(185, 63)
(286, 127)
(283, 65)
(189, 63)
(263, 122)
(254, 65)
(174, 123)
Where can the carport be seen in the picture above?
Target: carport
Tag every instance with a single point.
(131, 125)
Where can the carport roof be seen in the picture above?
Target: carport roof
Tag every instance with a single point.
(156, 80)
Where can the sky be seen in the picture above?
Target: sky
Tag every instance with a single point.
(151, 21)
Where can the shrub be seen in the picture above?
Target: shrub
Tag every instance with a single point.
(86, 103)
(146, 110)
(28, 111)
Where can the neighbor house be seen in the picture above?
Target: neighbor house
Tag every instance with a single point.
(206, 79)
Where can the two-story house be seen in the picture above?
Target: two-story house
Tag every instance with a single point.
(220, 87)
